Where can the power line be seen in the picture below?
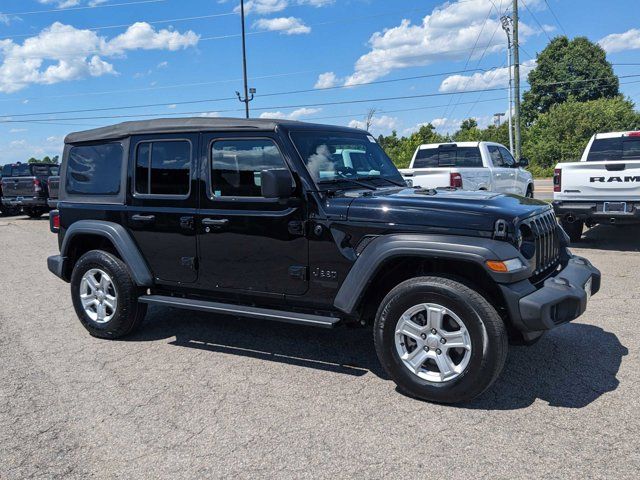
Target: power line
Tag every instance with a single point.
(87, 7)
(343, 102)
(213, 100)
(556, 18)
(535, 19)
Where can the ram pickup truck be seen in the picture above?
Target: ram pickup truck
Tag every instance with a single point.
(603, 187)
(25, 185)
(269, 219)
(469, 166)
(8, 210)
(54, 187)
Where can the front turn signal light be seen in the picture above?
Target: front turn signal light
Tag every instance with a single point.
(504, 266)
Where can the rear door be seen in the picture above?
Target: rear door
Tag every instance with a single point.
(162, 199)
(248, 243)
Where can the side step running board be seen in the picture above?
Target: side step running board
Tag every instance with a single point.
(240, 310)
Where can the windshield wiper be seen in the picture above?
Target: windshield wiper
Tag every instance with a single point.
(347, 179)
(378, 177)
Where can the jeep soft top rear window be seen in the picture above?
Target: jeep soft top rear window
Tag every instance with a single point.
(94, 169)
(448, 156)
(614, 149)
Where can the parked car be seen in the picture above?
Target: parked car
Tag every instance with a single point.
(25, 185)
(469, 166)
(259, 218)
(53, 185)
(7, 210)
(603, 187)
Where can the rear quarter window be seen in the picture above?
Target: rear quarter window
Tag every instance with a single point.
(94, 169)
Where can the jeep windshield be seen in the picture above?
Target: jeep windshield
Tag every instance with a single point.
(349, 159)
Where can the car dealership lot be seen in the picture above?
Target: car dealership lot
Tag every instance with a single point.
(194, 395)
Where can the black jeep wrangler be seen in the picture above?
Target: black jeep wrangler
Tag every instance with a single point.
(310, 224)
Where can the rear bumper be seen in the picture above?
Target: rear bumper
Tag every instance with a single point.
(24, 201)
(55, 264)
(52, 202)
(561, 299)
(594, 212)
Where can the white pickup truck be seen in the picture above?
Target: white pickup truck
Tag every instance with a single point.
(604, 186)
(470, 166)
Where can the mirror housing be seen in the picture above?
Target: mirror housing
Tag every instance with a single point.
(523, 162)
(276, 183)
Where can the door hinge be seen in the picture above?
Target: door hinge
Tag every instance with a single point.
(298, 272)
(296, 227)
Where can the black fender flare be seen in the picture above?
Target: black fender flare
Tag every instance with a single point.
(121, 240)
(471, 249)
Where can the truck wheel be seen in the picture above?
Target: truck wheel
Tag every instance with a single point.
(439, 340)
(34, 212)
(573, 229)
(529, 193)
(105, 296)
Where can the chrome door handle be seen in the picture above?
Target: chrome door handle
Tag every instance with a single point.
(210, 222)
(143, 218)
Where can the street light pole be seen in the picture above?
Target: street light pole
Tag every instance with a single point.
(516, 75)
(246, 98)
(506, 26)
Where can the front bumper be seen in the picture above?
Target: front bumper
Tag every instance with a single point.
(594, 212)
(559, 300)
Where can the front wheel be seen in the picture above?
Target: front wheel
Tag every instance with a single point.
(573, 229)
(105, 296)
(529, 193)
(439, 340)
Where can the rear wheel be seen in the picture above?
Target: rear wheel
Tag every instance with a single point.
(573, 229)
(104, 295)
(33, 212)
(439, 340)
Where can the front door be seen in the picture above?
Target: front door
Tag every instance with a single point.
(247, 242)
(503, 176)
(163, 199)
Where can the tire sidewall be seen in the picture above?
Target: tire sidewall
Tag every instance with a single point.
(466, 385)
(122, 284)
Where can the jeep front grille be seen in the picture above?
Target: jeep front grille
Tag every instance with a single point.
(541, 244)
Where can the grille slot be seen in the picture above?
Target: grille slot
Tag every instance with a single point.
(547, 242)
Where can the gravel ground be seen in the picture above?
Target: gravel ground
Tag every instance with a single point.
(200, 396)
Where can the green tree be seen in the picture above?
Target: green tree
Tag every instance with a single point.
(562, 133)
(45, 159)
(401, 149)
(565, 70)
(469, 131)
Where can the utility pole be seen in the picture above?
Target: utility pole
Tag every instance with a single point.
(516, 83)
(246, 98)
(507, 22)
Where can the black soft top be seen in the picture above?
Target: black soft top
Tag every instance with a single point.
(193, 124)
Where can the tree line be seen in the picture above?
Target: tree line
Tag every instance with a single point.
(574, 93)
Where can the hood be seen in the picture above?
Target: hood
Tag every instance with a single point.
(443, 209)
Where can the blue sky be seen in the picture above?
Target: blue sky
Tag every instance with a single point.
(183, 57)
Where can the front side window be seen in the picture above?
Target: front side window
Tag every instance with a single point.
(496, 158)
(334, 156)
(163, 167)
(507, 157)
(94, 169)
(236, 166)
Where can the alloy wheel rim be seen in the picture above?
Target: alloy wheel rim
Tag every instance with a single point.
(433, 343)
(98, 295)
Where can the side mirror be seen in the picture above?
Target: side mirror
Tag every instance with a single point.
(276, 183)
(524, 162)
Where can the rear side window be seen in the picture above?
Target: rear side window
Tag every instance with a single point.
(94, 169)
(448, 156)
(163, 168)
(22, 170)
(236, 166)
(6, 171)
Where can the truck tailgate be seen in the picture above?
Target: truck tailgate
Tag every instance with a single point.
(18, 187)
(607, 180)
(53, 184)
(428, 177)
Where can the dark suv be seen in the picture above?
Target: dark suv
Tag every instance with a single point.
(310, 224)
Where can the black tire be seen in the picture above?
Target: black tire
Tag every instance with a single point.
(529, 193)
(128, 314)
(484, 325)
(9, 211)
(573, 229)
(34, 212)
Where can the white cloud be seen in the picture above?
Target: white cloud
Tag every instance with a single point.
(448, 33)
(172, 106)
(60, 3)
(265, 7)
(383, 124)
(62, 53)
(284, 25)
(17, 130)
(619, 42)
(295, 115)
(162, 65)
(209, 115)
(326, 80)
(498, 77)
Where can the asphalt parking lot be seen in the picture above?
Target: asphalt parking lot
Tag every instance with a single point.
(202, 396)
